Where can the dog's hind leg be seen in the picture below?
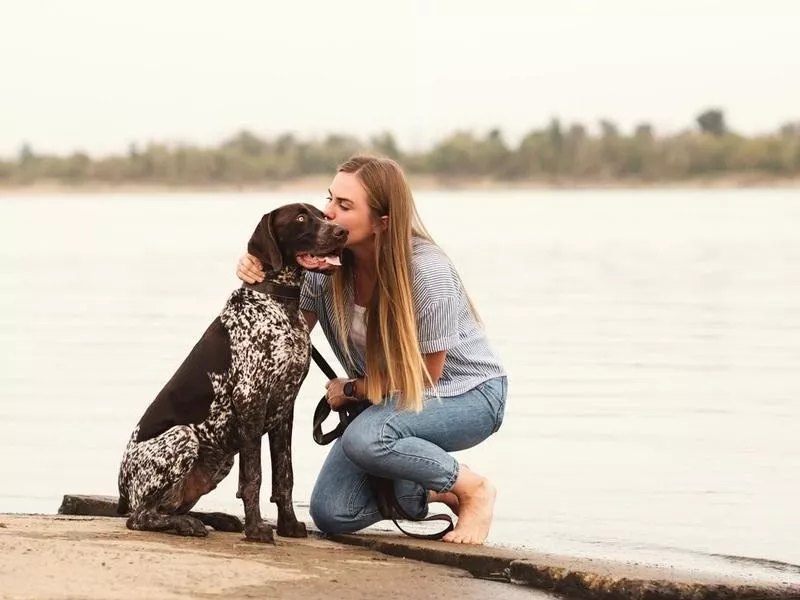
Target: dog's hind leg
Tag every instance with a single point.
(150, 520)
(217, 520)
(153, 476)
(280, 451)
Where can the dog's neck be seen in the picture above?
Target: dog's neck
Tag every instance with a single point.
(283, 284)
(290, 276)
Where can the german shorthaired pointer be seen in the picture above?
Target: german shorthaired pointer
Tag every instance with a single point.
(238, 383)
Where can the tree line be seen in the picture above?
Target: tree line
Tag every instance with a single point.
(557, 152)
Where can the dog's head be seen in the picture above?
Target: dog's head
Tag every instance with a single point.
(297, 234)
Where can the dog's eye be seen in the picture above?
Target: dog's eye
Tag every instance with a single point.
(300, 218)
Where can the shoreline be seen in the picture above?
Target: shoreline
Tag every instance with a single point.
(319, 183)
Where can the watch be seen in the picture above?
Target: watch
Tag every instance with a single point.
(349, 388)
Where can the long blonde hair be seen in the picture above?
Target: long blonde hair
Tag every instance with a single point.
(394, 363)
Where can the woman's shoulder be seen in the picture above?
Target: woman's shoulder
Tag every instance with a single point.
(432, 268)
(423, 250)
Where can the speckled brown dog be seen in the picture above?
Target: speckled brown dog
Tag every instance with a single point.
(238, 383)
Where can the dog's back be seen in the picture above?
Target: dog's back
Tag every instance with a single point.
(187, 397)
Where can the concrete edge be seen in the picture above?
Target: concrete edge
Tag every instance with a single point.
(499, 564)
(575, 583)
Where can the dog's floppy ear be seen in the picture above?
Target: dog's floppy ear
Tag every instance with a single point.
(264, 246)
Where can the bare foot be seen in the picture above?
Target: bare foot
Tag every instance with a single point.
(448, 498)
(475, 496)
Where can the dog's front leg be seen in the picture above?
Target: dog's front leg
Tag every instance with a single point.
(255, 528)
(280, 452)
(250, 411)
(240, 487)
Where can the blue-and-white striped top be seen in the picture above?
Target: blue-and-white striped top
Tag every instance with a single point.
(444, 321)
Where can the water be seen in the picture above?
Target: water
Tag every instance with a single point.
(652, 340)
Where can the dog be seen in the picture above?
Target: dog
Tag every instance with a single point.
(238, 383)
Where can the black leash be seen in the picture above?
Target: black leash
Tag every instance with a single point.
(383, 488)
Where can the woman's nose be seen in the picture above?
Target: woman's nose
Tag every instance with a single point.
(328, 211)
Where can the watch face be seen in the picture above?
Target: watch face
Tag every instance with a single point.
(350, 389)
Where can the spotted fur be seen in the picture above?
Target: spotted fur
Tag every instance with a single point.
(238, 383)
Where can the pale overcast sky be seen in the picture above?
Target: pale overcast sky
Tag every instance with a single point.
(99, 74)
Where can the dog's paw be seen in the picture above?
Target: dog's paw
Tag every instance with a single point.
(294, 529)
(261, 533)
(190, 526)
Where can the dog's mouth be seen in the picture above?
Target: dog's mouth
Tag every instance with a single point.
(312, 262)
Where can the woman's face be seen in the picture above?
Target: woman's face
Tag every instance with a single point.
(347, 207)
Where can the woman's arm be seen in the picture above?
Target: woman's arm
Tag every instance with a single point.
(435, 363)
(311, 318)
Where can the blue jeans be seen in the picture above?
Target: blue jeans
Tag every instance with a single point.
(411, 448)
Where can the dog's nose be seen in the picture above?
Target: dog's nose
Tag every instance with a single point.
(339, 231)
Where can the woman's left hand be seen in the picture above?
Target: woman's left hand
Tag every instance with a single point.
(335, 394)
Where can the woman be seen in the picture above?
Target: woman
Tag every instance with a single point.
(400, 322)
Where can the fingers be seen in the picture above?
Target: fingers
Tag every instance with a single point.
(249, 270)
(335, 393)
(337, 402)
(334, 386)
(252, 262)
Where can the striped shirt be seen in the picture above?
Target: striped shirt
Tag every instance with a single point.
(444, 321)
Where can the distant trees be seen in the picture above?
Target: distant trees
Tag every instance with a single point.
(557, 152)
(713, 122)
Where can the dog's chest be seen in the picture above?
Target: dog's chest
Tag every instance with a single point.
(270, 352)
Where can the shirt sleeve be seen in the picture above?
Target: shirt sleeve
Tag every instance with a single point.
(437, 325)
(437, 293)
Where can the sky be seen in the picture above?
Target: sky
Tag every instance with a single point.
(97, 75)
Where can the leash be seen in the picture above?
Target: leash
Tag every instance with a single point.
(383, 489)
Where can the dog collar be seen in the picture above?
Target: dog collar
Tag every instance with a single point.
(289, 292)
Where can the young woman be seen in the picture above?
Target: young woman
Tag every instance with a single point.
(400, 322)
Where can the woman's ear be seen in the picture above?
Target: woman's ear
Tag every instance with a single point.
(383, 224)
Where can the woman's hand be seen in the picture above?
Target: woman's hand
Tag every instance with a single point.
(335, 395)
(249, 269)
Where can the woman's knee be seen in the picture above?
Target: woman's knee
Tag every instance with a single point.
(328, 514)
(324, 519)
(341, 509)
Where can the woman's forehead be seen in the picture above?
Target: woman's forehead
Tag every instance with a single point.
(347, 185)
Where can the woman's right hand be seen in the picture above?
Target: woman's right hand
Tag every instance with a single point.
(249, 269)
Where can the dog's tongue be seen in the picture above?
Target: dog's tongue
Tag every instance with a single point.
(333, 260)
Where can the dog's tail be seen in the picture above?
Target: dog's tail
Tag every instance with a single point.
(123, 506)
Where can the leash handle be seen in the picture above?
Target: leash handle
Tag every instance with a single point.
(390, 508)
(429, 536)
(323, 410)
(320, 414)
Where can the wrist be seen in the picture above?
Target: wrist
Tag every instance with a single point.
(354, 388)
